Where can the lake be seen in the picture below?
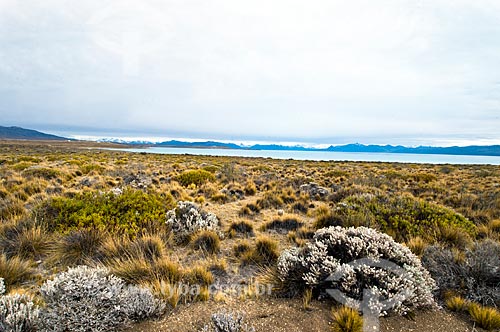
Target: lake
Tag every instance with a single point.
(327, 156)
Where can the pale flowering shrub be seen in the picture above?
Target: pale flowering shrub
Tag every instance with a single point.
(333, 252)
(188, 218)
(18, 313)
(90, 299)
(2, 286)
(227, 322)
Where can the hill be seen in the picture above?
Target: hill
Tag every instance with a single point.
(26, 134)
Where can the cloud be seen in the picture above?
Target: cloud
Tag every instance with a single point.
(329, 70)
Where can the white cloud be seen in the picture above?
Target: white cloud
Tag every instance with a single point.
(293, 69)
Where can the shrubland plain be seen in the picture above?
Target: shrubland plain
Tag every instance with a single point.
(100, 240)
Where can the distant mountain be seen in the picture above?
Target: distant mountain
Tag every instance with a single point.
(473, 150)
(26, 134)
(205, 145)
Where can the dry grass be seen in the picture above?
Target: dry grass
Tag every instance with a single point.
(487, 318)
(346, 319)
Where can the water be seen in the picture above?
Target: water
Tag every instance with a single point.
(328, 156)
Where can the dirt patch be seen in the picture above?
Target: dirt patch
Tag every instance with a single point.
(285, 315)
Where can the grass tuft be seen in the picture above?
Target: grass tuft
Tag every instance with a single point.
(346, 319)
(485, 317)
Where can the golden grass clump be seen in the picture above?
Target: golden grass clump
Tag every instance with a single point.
(206, 241)
(417, 245)
(265, 252)
(346, 319)
(457, 304)
(15, 271)
(77, 247)
(485, 317)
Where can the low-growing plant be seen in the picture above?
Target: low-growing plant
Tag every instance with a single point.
(473, 274)
(457, 304)
(241, 249)
(90, 299)
(77, 247)
(24, 240)
(129, 213)
(18, 313)
(227, 322)
(199, 275)
(265, 252)
(196, 177)
(242, 227)
(332, 251)
(283, 225)
(207, 241)
(346, 319)
(403, 217)
(485, 317)
(15, 271)
(188, 218)
(417, 245)
(41, 172)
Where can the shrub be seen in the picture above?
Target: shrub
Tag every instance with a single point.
(283, 225)
(18, 313)
(487, 318)
(15, 271)
(333, 249)
(129, 213)
(89, 299)
(227, 322)
(403, 217)
(206, 241)
(475, 276)
(346, 319)
(187, 218)
(77, 247)
(196, 177)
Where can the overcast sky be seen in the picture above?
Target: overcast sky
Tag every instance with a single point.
(325, 71)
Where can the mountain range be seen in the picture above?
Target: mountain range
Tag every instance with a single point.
(473, 150)
(27, 134)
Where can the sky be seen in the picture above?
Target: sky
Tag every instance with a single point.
(411, 72)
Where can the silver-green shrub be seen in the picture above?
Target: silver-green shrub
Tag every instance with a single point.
(476, 276)
(188, 218)
(18, 313)
(90, 299)
(227, 322)
(332, 252)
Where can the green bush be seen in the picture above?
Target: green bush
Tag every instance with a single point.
(196, 177)
(131, 212)
(403, 217)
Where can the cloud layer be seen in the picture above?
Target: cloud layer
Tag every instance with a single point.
(403, 71)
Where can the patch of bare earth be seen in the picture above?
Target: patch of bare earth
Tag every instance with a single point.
(288, 315)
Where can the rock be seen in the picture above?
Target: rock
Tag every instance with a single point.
(281, 212)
